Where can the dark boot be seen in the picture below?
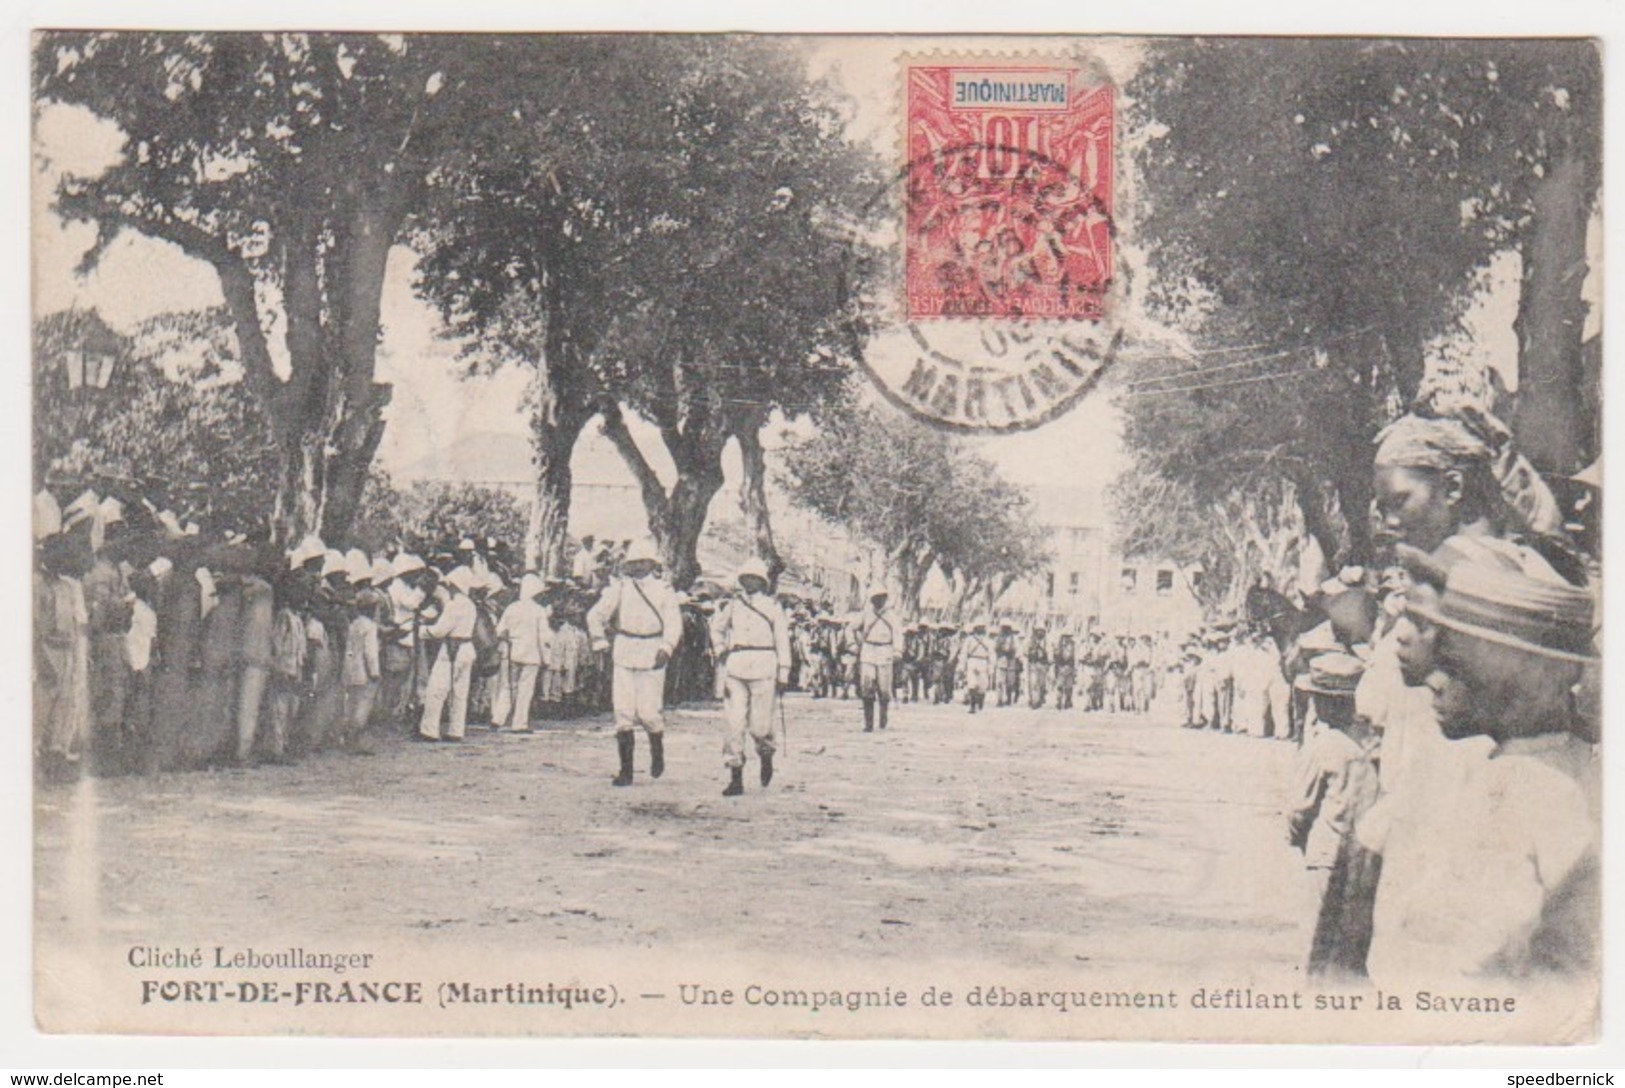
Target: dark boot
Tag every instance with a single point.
(736, 782)
(657, 755)
(766, 760)
(868, 715)
(627, 744)
(884, 707)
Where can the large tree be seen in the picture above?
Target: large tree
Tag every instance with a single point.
(950, 511)
(742, 311)
(532, 249)
(1337, 218)
(290, 164)
(667, 247)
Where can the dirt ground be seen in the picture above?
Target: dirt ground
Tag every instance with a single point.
(1023, 837)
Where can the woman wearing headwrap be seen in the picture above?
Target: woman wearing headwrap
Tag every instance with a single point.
(1437, 475)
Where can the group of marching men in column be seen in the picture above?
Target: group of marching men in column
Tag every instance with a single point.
(939, 663)
(1447, 799)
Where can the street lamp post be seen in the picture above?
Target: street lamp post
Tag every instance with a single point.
(89, 364)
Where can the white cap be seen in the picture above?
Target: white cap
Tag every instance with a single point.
(642, 550)
(307, 549)
(753, 568)
(876, 589)
(465, 545)
(333, 562)
(357, 567)
(460, 578)
(382, 571)
(160, 567)
(406, 563)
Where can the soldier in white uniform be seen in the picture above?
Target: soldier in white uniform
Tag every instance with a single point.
(978, 657)
(752, 639)
(880, 640)
(640, 609)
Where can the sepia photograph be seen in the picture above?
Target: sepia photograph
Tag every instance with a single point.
(842, 537)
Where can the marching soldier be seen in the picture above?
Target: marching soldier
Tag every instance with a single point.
(1066, 670)
(752, 639)
(978, 657)
(1004, 654)
(942, 665)
(641, 610)
(1037, 668)
(880, 637)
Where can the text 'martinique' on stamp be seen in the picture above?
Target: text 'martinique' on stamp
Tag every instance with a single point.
(1009, 192)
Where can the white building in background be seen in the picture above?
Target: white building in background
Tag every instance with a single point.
(1088, 584)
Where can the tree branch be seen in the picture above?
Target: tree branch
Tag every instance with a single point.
(615, 429)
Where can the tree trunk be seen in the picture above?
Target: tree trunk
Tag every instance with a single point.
(676, 520)
(753, 498)
(656, 503)
(298, 509)
(690, 505)
(1554, 430)
(558, 423)
(350, 460)
(547, 537)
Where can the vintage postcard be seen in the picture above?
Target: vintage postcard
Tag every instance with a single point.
(817, 537)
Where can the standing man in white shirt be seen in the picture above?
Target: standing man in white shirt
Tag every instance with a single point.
(641, 611)
(453, 669)
(880, 640)
(751, 637)
(525, 632)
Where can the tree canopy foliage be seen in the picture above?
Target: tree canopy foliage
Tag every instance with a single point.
(168, 424)
(430, 514)
(675, 261)
(290, 163)
(1320, 228)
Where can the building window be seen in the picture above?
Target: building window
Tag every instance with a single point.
(1131, 579)
(1165, 583)
(1072, 583)
(1049, 584)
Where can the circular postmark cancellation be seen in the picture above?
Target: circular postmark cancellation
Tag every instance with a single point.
(1000, 238)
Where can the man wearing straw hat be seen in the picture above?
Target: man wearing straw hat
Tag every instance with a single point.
(646, 619)
(752, 639)
(1508, 882)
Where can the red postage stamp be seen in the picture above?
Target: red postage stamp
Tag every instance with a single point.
(1009, 192)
